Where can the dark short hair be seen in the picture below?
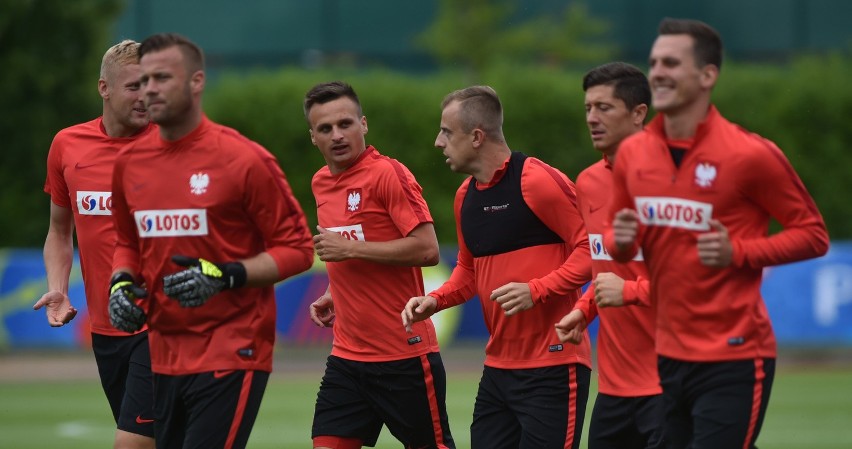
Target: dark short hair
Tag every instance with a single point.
(324, 92)
(707, 44)
(192, 54)
(629, 83)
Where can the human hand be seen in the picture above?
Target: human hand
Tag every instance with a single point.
(714, 247)
(58, 308)
(513, 297)
(124, 314)
(625, 227)
(201, 280)
(570, 328)
(418, 309)
(609, 290)
(331, 246)
(322, 311)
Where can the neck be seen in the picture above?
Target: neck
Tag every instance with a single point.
(682, 124)
(114, 128)
(178, 130)
(492, 157)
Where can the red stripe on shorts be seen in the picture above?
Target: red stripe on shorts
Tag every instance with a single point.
(757, 398)
(433, 402)
(241, 409)
(572, 406)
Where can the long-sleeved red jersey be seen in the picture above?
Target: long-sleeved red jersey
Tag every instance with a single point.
(627, 361)
(740, 179)
(553, 259)
(217, 195)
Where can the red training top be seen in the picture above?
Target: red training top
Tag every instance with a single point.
(79, 175)
(554, 271)
(627, 362)
(217, 195)
(376, 199)
(707, 314)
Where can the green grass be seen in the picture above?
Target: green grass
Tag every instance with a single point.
(811, 407)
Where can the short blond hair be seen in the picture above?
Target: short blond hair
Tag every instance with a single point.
(121, 54)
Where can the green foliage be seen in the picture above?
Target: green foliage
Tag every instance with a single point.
(50, 52)
(476, 35)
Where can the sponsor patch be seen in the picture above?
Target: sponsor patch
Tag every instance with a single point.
(674, 212)
(414, 340)
(596, 246)
(555, 348)
(94, 203)
(171, 222)
(352, 232)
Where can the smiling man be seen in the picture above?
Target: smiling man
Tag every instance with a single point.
(696, 194)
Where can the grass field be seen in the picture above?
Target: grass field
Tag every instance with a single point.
(811, 407)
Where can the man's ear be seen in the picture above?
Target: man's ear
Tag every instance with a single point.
(478, 137)
(639, 114)
(709, 75)
(103, 89)
(364, 124)
(313, 140)
(197, 81)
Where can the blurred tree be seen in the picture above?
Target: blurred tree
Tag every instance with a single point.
(477, 34)
(50, 52)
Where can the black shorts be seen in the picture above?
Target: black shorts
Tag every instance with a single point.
(536, 408)
(626, 422)
(124, 365)
(715, 404)
(408, 396)
(216, 409)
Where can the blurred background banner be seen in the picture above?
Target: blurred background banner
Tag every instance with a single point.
(810, 304)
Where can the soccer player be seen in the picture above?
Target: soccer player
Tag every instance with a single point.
(696, 193)
(206, 224)
(627, 411)
(523, 250)
(375, 232)
(79, 171)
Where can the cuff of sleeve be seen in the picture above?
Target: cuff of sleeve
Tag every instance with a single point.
(629, 293)
(738, 256)
(536, 292)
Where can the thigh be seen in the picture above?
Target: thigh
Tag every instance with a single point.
(113, 361)
(676, 408)
(169, 412)
(550, 403)
(730, 402)
(137, 407)
(221, 407)
(342, 409)
(410, 397)
(612, 424)
(648, 421)
(494, 424)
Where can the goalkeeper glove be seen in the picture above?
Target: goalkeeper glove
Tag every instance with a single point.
(124, 314)
(201, 280)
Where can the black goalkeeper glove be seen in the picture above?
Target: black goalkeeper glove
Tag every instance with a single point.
(124, 314)
(202, 279)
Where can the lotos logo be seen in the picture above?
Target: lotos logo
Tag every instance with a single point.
(171, 222)
(674, 212)
(94, 203)
(596, 245)
(352, 232)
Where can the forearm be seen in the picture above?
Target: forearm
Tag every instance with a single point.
(58, 258)
(261, 270)
(787, 246)
(575, 272)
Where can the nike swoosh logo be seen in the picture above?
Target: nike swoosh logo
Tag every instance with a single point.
(320, 204)
(220, 374)
(140, 420)
(81, 166)
(594, 209)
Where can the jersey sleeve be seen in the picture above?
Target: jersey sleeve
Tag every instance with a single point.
(127, 239)
(278, 215)
(403, 198)
(462, 283)
(637, 292)
(620, 199)
(587, 305)
(54, 183)
(552, 198)
(804, 234)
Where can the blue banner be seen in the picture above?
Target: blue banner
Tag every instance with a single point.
(810, 303)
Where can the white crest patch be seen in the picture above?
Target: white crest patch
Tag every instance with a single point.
(353, 201)
(198, 183)
(705, 174)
